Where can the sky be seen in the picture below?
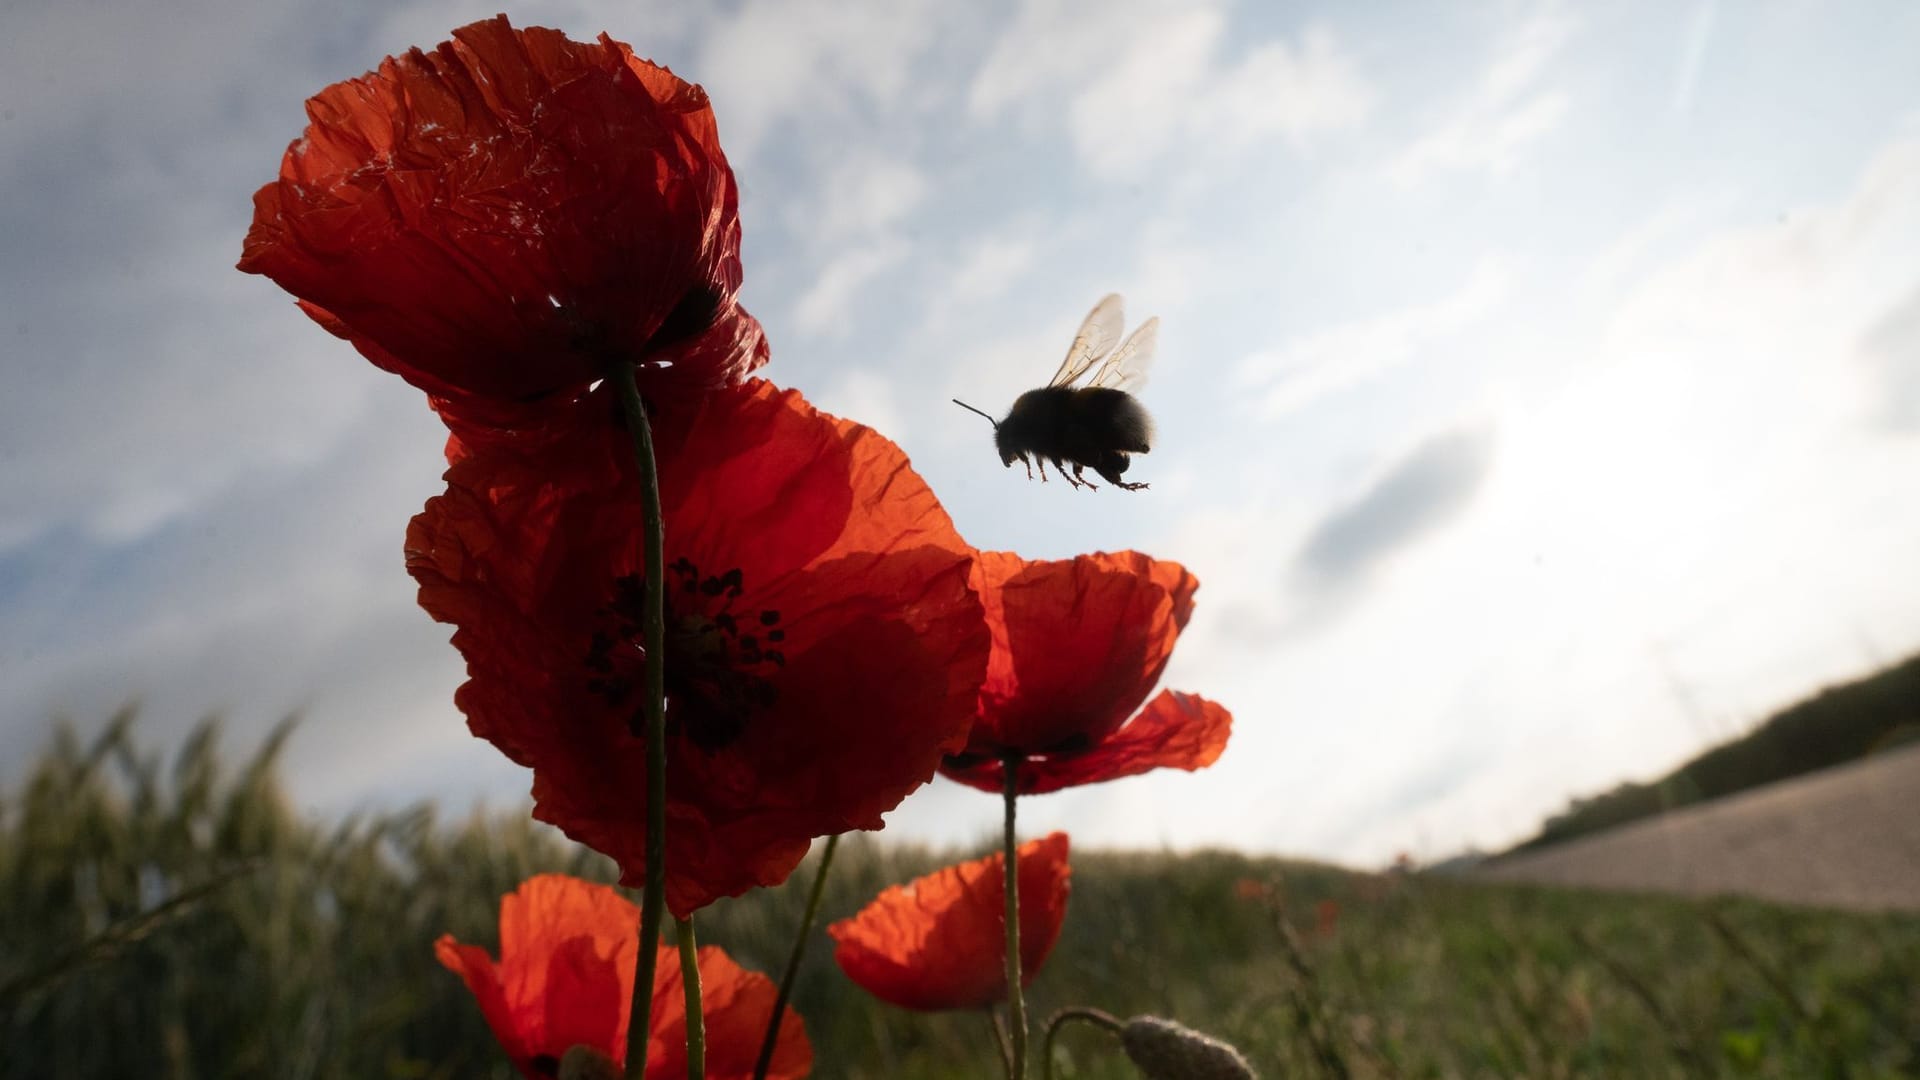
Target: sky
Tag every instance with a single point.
(1538, 390)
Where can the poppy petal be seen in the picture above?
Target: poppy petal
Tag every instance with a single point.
(1077, 646)
(940, 942)
(473, 964)
(1175, 730)
(565, 973)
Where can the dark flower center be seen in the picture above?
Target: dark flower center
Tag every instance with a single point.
(720, 661)
(1077, 743)
(690, 318)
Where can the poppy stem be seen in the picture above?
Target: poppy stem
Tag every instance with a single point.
(654, 626)
(772, 1038)
(1000, 1039)
(1059, 1019)
(696, 1014)
(1016, 1002)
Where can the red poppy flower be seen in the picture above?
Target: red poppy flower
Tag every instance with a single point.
(1077, 646)
(941, 942)
(565, 975)
(498, 219)
(824, 645)
(565, 979)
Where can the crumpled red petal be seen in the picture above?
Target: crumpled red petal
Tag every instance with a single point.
(1077, 646)
(498, 219)
(940, 942)
(807, 536)
(565, 973)
(1175, 730)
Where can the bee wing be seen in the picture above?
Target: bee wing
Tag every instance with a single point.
(1097, 335)
(1126, 368)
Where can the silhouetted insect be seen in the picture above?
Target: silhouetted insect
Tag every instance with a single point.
(1095, 426)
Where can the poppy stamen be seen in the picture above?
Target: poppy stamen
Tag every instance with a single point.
(717, 677)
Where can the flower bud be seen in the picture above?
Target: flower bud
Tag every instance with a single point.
(1164, 1050)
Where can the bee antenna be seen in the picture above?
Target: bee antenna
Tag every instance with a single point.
(969, 408)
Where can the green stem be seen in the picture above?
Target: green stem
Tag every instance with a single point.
(696, 1015)
(654, 625)
(1059, 1019)
(1016, 1000)
(771, 1039)
(1000, 1040)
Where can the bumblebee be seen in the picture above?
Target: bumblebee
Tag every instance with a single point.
(1097, 425)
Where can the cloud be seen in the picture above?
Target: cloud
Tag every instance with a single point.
(1422, 491)
(1141, 80)
(774, 60)
(863, 197)
(284, 592)
(851, 230)
(177, 407)
(823, 308)
(1304, 371)
(1693, 55)
(1486, 130)
(866, 396)
(146, 376)
(1892, 349)
(989, 265)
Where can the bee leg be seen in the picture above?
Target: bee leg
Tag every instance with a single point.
(1112, 476)
(1082, 477)
(1029, 465)
(1064, 474)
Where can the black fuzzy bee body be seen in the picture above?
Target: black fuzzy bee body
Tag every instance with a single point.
(1089, 427)
(1098, 425)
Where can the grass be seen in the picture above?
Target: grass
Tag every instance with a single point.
(174, 918)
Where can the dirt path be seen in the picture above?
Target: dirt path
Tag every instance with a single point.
(1847, 837)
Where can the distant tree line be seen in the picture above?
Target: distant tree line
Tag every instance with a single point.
(1837, 725)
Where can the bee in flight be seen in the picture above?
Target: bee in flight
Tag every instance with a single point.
(1093, 426)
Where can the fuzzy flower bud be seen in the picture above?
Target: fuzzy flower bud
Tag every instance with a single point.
(1164, 1050)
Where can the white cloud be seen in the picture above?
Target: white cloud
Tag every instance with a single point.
(861, 197)
(864, 395)
(1288, 90)
(775, 60)
(824, 307)
(1487, 129)
(849, 226)
(1309, 368)
(1693, 55)
(1139, 80)
(851, 230)
(990, 265)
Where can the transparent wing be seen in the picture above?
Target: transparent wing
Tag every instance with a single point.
(1097, 335)
(1126, 367)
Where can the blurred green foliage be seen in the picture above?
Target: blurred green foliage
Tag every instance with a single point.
(1837, 725)
(307, 952)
